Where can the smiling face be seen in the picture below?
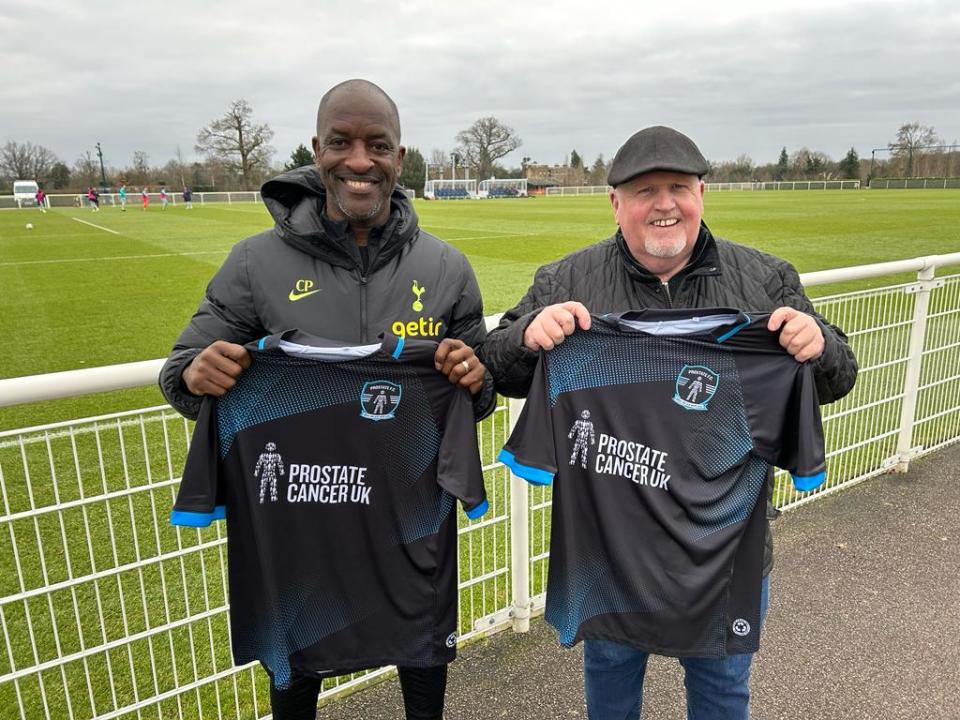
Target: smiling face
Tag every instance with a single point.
(659, 215)
(358, 152)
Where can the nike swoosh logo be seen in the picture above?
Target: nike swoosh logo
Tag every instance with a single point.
(300, 296)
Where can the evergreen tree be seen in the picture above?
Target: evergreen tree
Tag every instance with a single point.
(783, 165)
(414, 170)
(598, 173)
(301, 157)
(575, 160)
(849, 167)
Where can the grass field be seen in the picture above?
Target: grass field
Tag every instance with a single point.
(73, 295)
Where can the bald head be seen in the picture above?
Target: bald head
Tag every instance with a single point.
(360, 92)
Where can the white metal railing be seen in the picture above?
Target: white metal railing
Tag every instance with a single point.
(578, 190)
(786, 185)
(727, 186)
(107, 611)
(112, 200)
(944, 183)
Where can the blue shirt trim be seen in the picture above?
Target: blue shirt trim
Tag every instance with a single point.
(809, 482)
(734, 330)
(478, 511)
(399, 348)
(530, 474)
(188, 518)
(261, 343)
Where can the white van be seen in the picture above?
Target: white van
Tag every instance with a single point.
(25, 192)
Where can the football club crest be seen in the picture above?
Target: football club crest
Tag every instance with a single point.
(379, 400)
(696, 384)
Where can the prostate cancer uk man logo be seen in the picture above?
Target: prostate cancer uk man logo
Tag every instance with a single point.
(379, 400)
(696, 384)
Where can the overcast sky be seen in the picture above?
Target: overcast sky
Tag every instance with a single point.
(737, 76)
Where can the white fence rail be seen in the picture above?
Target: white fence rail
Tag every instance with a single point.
(108, 612)
(112, 200)
(786, 185)
(725, 187)
(944, 183)
(578, 190)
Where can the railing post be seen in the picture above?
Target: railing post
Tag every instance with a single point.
(918, 331)
(519, 537)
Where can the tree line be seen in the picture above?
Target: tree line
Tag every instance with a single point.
(237, 155)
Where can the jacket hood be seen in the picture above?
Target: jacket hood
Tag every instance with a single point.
(294, 200)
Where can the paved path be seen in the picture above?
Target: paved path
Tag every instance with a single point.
(864, 623)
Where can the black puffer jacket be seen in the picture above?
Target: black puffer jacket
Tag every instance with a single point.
(307, 273)
(606, 278)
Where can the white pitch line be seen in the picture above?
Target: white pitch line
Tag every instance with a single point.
(114, 257)
(486, 237)
(98, 227)
(431, 228)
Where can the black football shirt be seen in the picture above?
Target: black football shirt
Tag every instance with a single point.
(336, 470)
(658, 429)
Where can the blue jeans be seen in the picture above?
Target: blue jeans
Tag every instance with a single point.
(717, 688)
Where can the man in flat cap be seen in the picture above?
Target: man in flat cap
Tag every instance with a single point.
(664, 256)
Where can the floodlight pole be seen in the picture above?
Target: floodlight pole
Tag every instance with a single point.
(103, 175)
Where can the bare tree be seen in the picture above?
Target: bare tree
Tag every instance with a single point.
(912, 139)
(181, 168)
(807, 164)
(86, 170)
(139, 171)
(439, 160)
(740, 170)
(238, 142)
(26, 161)
(485, 142)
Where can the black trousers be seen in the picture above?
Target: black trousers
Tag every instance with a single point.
(423, 691)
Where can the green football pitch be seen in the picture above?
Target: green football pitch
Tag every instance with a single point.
(83, 289)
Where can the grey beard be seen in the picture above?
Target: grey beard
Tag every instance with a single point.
(356, 217)
(664, 251)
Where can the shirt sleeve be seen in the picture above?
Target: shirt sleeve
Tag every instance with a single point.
(802, 448)
(459, 470)
(199, 500)
(530, 452)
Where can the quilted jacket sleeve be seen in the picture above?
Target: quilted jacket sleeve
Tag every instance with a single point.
(835, 371)
(511, 364)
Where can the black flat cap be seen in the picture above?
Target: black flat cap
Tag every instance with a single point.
(656, 148)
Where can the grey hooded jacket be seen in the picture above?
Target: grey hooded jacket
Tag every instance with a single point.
(306, 273)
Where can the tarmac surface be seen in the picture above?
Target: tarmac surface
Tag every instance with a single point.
(864, 623)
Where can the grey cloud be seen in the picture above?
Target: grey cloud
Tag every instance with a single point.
(563, 74)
